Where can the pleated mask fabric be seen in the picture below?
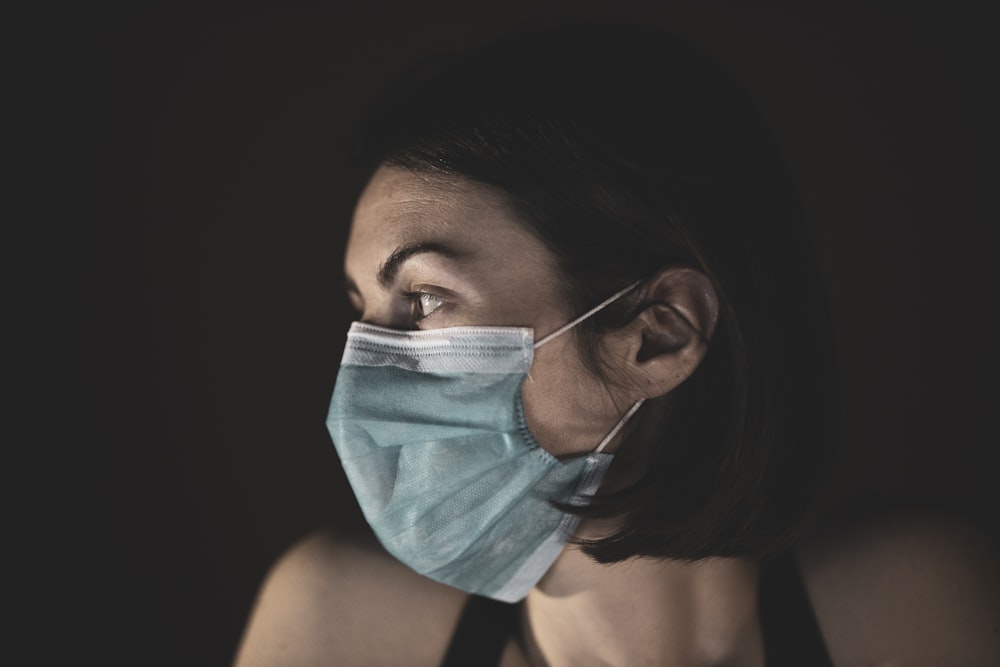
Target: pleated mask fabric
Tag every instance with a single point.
(430, 429)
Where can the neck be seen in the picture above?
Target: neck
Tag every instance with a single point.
(643, 612)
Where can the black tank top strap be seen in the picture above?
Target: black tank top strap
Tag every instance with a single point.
(481, 634)
(788, 623)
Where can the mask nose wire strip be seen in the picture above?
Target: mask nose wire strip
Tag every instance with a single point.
(566, 327)
(618, 426)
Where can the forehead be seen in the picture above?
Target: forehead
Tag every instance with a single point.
(399, 206)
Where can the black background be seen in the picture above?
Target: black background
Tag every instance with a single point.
(191, 224)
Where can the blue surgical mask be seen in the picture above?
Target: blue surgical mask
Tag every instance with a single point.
(430, 429)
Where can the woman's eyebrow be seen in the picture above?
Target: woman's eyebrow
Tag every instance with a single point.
(387, 271)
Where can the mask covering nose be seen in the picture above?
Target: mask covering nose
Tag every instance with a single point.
(430, 429)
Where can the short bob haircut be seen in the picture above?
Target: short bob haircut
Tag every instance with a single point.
(626, 151)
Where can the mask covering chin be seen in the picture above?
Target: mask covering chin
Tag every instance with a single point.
(430, 429)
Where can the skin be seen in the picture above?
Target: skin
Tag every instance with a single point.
(499, 274)
(332, 600)
(478, 285)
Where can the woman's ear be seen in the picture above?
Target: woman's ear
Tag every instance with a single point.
(668, 338)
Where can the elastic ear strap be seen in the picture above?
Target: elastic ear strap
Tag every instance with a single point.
(567, 327)
(618, 426)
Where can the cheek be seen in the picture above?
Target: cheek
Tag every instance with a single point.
(544, 408)
(563, 402)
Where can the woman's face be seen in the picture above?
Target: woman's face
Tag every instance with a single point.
(428, 251)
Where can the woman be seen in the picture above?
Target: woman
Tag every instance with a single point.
(587, 407)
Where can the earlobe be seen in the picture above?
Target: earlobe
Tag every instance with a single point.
(670, 336)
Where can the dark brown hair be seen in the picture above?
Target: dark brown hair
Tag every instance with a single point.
(627, 151)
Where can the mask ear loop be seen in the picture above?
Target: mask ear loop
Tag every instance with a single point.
(566, 327)
(618, 426)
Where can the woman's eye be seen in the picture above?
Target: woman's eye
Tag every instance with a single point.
(427, 304)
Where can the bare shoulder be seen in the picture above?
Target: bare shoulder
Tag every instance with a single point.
(905, 587)
(339, 601)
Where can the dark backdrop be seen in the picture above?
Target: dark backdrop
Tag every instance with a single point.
(198, 243)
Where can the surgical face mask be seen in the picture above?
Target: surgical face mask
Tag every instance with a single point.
(430, 429)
